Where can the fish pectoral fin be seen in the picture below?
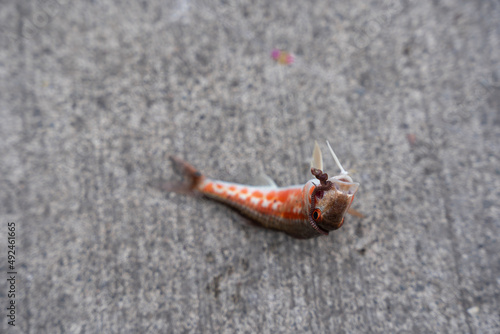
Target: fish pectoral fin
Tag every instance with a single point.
(317, 158)
(355, 213)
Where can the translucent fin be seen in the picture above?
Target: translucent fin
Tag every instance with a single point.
(264, 180)
(342, 170)
(317, 159)
(192, 179)
(355, 213)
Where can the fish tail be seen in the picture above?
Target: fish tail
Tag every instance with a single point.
(192, 178)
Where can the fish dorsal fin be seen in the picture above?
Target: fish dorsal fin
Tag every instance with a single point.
(317, 159)
(342, 170)
(264, 180)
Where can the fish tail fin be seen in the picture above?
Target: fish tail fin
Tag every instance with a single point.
(192, 178)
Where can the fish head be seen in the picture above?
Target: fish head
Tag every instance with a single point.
(328, 200)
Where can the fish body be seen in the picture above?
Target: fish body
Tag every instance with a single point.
(302, 211)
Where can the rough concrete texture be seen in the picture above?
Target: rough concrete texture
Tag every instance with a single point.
(95, 95)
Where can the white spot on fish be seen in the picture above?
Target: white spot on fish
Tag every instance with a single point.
(218, 189)
(243, 197)
(254, 200)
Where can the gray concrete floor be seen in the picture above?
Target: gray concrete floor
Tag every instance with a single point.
(94, 96)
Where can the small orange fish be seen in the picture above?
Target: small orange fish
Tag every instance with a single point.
(302, 211)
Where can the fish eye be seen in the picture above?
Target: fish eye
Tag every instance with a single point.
(316, 214)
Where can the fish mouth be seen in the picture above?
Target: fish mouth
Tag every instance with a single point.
(344, 185)
(342, 177)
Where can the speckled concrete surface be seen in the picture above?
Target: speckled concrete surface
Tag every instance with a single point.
(94, 96)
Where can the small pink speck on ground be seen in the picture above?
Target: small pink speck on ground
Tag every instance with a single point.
(275, 54)
(412, 138)
(282, 57)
